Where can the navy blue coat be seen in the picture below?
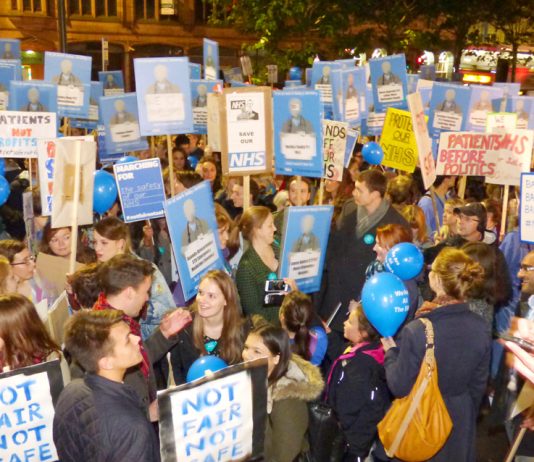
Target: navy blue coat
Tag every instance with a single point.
(462, 350)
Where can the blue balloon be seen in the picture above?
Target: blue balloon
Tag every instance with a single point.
(404, 260)
(204, 364)
(372, 153)
(193, 161)
(105, 192)
(126, 159)
(4, 190)
(2, 167)
(295, 73)
(385, 302)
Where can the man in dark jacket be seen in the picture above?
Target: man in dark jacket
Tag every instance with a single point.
(100, 418)
(350, 248)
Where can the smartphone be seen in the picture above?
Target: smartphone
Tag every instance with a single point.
(274, 298)
(525, 344)
(276, 285)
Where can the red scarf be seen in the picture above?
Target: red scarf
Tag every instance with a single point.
(135, 329)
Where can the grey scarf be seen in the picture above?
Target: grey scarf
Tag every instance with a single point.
(366, 220)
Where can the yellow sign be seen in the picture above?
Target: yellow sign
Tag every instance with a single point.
(398, 141)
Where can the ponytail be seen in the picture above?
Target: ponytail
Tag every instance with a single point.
(297, 312)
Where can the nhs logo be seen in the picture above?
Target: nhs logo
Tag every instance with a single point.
(242, 161)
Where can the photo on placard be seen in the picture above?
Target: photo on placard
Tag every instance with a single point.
(389, 81)
(349, 91)
(304, 241)
(448, 108)
(163, 95)
(321, 79)
(72, 75)
(195, 71)
(412, 83)
(9, 49)
(91, 122)
(480, 105)
(120, 116)
(298, 133)
(194, 235)
(199, 99)
(9, 71)
(372, 125)
(523, 106)
(211, 59)
(33, 96)
(112, 81)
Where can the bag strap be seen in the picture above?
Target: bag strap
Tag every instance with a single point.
(429, 359)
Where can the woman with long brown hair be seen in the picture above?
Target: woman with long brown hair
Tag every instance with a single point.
(217, 328)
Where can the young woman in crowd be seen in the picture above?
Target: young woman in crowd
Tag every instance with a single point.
(306, 333)
(356, 388)
(229, 238)
(450, 220)
(112, 237)
(292, 381)
(415, 217)
(56, 241)
(24, 340)
(462, 350)
(217, 328)
(258, 262)
(208, 171)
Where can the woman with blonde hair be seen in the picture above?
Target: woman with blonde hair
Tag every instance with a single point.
(462, 346)
(415, 217)
(8, 280)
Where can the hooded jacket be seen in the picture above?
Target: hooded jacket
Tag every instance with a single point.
(287, 423)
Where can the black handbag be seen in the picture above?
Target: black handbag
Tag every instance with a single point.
(327, 443)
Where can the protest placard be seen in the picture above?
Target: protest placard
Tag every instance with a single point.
(200, 89)
(298, 133)
(27, 398)
(398, 141)
(141, 189)
(214, 121)
(194, 235)
(352, 139)
(10, 70)
(57, 317)
(246, 130)
(195, 71)
(9, 49)
(500, 157)
(422, 139)
(32, 96)
(93, 116)
(112, 82)
(480, 105)
(304, 239)
(20, 131)
(448, 108)
(334, 143)
(210, 59)
(390, 82)
(218, 418)
(526, 205)
(321, 80)
(163, 95)
(349, 95)
(51, 271)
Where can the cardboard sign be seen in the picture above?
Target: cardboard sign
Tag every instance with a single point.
(390, 82)
(448, 108)
(246, 124)
(9, 49)
(20, 131)
(398, 141)
(349, 95)
(500, 157)
(46, 150)
(63, 183)
(215, 102)
(298, 133)
(321, 80)
(526, 204)
(27, 398)
(217, 418)
(57, 317)
(51, 273)
(304, 240)
(422, 139)
(112, 82)
(32, 96)
(210, 59)
(334, 143)
(200, 89)
(480, 105)
(194, 235)
(500, 121)
(10, 70)
(141, 189)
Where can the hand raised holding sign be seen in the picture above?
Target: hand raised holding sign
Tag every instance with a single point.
(174, 322)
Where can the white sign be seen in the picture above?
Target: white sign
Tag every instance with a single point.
(334, 143)
(201, 253)
(304, 264)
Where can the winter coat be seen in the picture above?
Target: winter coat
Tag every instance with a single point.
(98, 420)
(287, 423)
(462, 348)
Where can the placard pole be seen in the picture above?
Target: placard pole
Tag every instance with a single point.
(246, 192)
(518, 439)
(299, 179)
(30, 171)
(171, 166)
(75, 204)
(153, 146)
(504, 211)
(321, 191)
(435, 208)
(461, 187)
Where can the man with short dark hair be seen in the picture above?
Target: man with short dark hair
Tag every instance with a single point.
(350, 248)
(101, 418)
(299, 193)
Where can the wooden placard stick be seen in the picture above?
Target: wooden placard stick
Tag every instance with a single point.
(504, 211)
(75, 204)
(171, 166)
(246, 192)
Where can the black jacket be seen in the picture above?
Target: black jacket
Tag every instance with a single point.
(347, 258)
(98, 420)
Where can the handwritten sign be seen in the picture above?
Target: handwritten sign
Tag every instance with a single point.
(19, 132)
(141, 189)
(398, 141)
(334, 143)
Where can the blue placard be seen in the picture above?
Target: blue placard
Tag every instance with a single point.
(389, 81)
(97, 90)
(346, 63)
(120, 116)
(412, 83)
(428, 72)
(288, 84)
(112, 81)
(199, 102)
(308, 76)
(304, 242)
(211, 59)
(298, 133)
(195, 71)
(373, 124)
(194, 235)
(352, 138)
(9, 70)
(448, 108)
(523, 106)
(141, 189)
(9, 49)
(426, 94)
(349, 92)
(321, 80)
(103, 156)
(32, 96)
(163, 95)
(72, 75)
(480, 104)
